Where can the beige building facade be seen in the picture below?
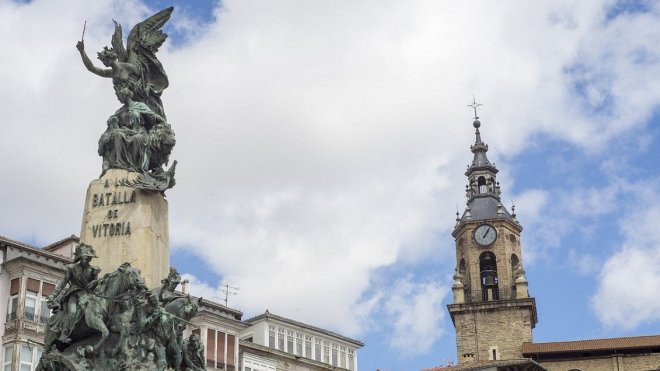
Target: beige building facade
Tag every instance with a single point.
(27, 275)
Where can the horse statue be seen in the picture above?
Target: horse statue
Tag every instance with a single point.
(179, 312)
(118, 323)
(105, 307)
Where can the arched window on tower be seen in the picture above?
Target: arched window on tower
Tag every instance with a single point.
(488, 275)
(481, 183)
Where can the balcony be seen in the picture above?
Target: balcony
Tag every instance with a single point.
(29, 316)
(491, 294)
(11, 316)
(29, 321)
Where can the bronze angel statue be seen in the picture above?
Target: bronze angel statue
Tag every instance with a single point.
(138, 137)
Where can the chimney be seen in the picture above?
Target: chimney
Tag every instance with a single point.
(184, 286)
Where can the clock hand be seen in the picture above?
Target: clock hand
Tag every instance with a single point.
(485, 234)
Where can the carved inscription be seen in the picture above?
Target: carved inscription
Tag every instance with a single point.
(115, 200)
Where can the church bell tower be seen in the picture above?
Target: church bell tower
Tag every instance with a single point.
(492, 311)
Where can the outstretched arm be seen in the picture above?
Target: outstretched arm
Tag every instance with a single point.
(60, 286)
(88, 63)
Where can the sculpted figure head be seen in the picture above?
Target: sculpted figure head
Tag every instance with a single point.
(124, 94)
(107, 56)
(83, 254)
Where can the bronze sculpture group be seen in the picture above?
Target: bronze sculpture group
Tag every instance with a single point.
(116, 322)
(138, 137)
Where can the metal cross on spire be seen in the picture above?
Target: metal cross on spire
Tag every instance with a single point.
(474, 105)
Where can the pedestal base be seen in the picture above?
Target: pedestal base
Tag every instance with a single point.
(125, 224)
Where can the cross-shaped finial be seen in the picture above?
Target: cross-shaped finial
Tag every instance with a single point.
(474, 105)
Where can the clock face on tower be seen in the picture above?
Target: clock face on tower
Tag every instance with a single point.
(485, 234)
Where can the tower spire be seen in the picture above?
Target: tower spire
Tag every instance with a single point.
(479, 148)
(476, 122)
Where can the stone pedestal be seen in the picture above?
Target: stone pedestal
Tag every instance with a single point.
(125, 224)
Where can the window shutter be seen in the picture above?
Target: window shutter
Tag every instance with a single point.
(33, 285)
(15, 286)
(230, 349)
(47, 289)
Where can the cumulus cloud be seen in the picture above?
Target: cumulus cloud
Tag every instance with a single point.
(199, 288)
(318, 141)
(411, 314)
(628, 281)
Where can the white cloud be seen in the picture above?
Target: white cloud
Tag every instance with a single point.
(628, 281)
(412, 315)
(199, 288)
(317, 141)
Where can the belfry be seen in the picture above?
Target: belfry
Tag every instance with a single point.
(492, 311)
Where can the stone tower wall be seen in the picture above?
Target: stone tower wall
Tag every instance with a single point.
(504, 329)
(507, 243)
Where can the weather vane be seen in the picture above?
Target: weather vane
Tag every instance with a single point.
(474, 106)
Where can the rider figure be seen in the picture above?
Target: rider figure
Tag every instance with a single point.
(165, 293)
(79, 278)
(193, 354)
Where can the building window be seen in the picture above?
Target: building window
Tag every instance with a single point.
(317, 350)
(44, 312)
(280, 341)
(289, 342)
(30, 307)
(220, 349)
(13, 305)
(231, 344)
(342, 359)
(14, 288)
(334, 357)
(308, 346)
(271, 338)
(299, 345)
(29, 357)
(9, 358)
(494, 354)
(210, 348)
(351, 362)
(326, 352)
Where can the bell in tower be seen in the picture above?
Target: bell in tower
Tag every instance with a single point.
(492, 311)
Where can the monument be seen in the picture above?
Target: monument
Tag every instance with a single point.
(121, 320)
(117, 323)
(126, 215)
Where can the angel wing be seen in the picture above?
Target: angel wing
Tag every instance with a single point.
(118, 43)
(143, 43)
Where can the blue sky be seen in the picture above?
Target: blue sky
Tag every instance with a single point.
(322, 146)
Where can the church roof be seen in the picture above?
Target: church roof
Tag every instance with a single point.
(486, 207)
(500, 365)
(611, 344)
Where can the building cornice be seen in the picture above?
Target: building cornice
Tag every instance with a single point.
(269, 316)
(494, 305)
